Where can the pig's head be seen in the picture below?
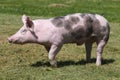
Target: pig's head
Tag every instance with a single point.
(26, 34)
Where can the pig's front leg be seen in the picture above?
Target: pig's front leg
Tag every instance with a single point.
(52, 53)
(88, 47)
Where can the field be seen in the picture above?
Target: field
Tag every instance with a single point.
(30, 61)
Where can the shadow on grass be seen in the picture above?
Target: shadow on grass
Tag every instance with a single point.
(70, 62)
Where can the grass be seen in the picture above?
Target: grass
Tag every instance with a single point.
(30, 61)
(50, 8)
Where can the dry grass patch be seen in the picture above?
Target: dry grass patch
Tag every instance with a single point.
(57, 5)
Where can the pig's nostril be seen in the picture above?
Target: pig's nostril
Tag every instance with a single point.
(10, 40)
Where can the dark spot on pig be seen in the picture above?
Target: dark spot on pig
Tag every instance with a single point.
(74, 19)
(71, 21)
(82, 15)
(92, 16)
(89, 31)
(68, 25)
(58, 21)
(88, 22)
(78, 32)
(96, 26)
(88, 17)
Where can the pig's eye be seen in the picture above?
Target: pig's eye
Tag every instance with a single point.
(23, 31)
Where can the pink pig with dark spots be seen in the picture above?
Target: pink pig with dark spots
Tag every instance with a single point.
(74, 28)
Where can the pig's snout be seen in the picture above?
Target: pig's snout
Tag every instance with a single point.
(14, 40)
(9, 40)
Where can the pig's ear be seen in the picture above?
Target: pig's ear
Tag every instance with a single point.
(28, 22)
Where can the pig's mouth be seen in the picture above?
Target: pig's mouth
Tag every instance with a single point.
(14, 41)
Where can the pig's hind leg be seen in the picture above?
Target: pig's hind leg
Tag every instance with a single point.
(100, 47)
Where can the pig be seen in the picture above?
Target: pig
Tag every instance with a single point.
(52, 33)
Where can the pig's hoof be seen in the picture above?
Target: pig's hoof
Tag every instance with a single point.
(53, 63)
(98, 63)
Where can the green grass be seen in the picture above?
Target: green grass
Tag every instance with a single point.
(30, 61)
(48, 8)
